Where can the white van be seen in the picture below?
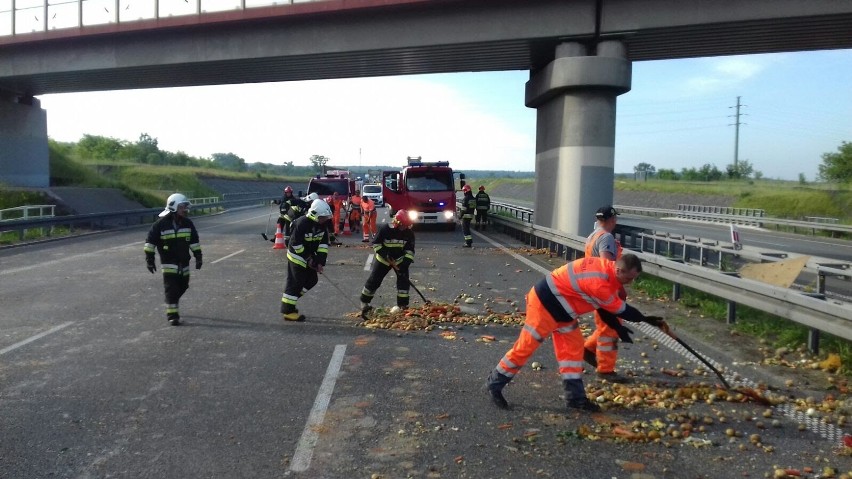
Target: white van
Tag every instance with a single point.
(374, 192)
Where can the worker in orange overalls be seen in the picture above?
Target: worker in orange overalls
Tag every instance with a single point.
(553, 306)
(337, 207)
(368, 215)
(355, 212)
(601, 348)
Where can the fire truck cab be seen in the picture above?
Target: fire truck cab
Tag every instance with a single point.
(425, 189)
(339, 181)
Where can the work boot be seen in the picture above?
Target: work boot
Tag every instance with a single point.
(174, 319)
(590, 358)
(495, 384)
(575, 393)
(365, 310)
(294, 316)
(584, 405)
(614, 377)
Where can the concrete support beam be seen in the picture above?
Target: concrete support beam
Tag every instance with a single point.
(24, 159)
(575, 133)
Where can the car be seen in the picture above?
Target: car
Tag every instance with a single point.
(374, 192)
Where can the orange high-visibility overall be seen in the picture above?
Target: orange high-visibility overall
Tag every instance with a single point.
(604, 340)
(338, 207)
(355, 214)
(553, 306)
(368, 212)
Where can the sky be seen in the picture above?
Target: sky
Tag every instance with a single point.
(678, 114)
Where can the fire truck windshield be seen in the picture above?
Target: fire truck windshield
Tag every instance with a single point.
(429, 181)
(327, 188)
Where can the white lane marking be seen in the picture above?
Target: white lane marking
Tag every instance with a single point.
(305, 448)
(35, 338)
(369, 263)
(67, 258)
(226, 257)
(518, 257)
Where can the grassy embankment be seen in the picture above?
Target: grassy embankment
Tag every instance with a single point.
(779, 199)
(147, 184)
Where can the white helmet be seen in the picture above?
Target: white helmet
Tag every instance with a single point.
(311, 198)
(318, 209)
(172, 203)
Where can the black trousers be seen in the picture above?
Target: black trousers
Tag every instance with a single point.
(299, 281)
(377, 275)
(468, 236)
(481, 217)
(175, 284)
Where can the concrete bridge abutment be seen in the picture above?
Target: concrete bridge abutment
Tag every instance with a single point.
(575, 98)
(24, 157)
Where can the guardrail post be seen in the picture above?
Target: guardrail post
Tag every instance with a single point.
(732, 312)
(813, 334)
(675, 291)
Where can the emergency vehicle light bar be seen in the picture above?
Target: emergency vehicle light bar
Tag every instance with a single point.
(417, 161)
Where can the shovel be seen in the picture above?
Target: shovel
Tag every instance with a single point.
(396, 269)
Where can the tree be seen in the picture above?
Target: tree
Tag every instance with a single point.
(229, 161)
(319, 162)
(667, 174)
(95, 147)
(837, 166)
(646, 168)
(742, 170)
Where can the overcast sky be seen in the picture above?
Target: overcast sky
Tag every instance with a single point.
(796, 106)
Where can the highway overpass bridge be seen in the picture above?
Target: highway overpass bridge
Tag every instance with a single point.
(578, 52)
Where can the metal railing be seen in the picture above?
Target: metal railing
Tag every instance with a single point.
(26, 212)
(809, 310)
(107, 221)
(29, 17)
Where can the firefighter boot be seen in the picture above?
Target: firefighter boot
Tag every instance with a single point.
(173, 319)
(575, 393)
(294, 316)
(495, 384)
(365, 310)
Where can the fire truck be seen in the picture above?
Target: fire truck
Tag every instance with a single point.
(425, 189)
(339, 181)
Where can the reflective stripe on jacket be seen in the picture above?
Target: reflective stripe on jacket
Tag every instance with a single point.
(579, 287)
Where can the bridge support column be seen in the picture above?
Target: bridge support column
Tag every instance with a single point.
(575, 133)
(24, 159)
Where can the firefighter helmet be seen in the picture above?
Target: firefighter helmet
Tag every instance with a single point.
(319, 209)
(311, 198)
(288, 190)
(481, 187)
(172, 202)
(465, 188)
(401, 218)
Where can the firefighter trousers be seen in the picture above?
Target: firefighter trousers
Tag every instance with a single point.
(377, 275)
(299, 281)
(468, 236)
(481, 218)
(175, 282)
(567, 345)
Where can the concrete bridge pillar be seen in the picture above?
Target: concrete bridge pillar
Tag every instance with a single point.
(24, 159)
(575, 133)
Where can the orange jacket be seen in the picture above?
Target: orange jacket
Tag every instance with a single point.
(579, 287)
(594, 237)
(368, 205)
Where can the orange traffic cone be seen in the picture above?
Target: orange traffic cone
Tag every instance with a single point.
(279, 239)
(346, 230)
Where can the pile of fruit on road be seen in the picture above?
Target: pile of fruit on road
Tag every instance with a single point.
(428, 316)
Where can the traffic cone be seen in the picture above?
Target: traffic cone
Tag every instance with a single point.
(346, 230)
(279, 239)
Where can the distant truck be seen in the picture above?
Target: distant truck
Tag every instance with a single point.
(426, 190)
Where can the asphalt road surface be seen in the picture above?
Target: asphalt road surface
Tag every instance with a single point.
(95, 383)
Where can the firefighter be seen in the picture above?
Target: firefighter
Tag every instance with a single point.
(337, 209)
(297, 209)
(483, 204)
(355, 212)
(307, 251)
(284, 205)
(601, 347)
(174, 237)
(554, 305)
(394, 247)
(368, 218)
(468, 208)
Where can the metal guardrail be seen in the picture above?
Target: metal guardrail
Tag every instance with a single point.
(811, 226)
(102, 221)
(811, 311)
(27, 211)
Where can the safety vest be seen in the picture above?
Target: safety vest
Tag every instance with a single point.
(355, 201)
(579, 287)
(591, 243)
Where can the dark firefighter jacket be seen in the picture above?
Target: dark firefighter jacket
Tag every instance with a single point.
(174, 242)
(468, 206)
(483, 201)
(395, 244)
(308, 242)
